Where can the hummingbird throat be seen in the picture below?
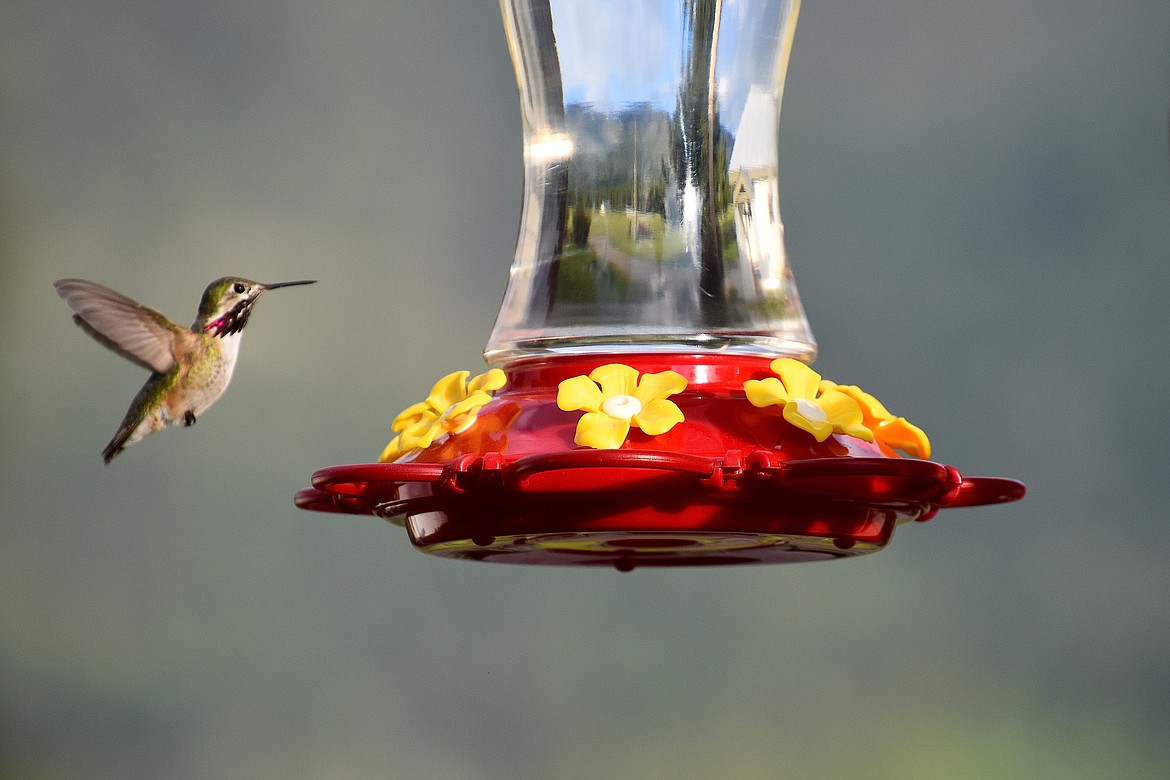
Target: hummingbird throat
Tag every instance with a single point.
(233, 321)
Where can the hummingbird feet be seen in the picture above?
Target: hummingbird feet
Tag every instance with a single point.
(188, 418)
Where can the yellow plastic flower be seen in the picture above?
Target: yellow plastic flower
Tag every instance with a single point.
(621, 400)
(805, 406)
(450, 408)
(894, 432)
(392, 452)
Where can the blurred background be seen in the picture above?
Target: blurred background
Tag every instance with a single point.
(977, 205)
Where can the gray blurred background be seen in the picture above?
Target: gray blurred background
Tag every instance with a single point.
(977, 203)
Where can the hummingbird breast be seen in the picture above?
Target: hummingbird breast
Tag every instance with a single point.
(207, 376)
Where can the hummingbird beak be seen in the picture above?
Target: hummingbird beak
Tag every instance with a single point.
(288, 284)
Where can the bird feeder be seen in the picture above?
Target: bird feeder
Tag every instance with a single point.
(649, 399)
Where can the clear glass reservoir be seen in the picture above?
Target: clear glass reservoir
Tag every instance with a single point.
(650, 219)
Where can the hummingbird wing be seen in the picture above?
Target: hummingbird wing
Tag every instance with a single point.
(136, 332)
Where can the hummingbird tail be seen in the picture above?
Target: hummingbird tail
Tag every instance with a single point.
(118, 443)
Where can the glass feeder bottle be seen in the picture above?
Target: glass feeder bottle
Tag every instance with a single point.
(650, 218)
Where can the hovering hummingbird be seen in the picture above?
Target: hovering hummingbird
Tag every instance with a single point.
(190, 367)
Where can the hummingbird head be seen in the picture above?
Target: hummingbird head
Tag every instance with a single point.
(227, 303)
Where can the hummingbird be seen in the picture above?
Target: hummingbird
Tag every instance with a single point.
(190, 367)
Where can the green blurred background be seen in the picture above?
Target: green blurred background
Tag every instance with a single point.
(977, 203)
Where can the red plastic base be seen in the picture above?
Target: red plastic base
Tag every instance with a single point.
(732, 484)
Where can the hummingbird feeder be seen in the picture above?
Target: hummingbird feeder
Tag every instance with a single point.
(649, 400)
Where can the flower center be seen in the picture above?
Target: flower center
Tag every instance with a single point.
(810, 411)
(456, 423)
(460, 424)
(621, 407)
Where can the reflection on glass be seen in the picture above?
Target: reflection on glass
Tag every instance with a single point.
(651, 217)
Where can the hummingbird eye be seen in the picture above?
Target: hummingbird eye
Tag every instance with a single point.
(239, 289)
